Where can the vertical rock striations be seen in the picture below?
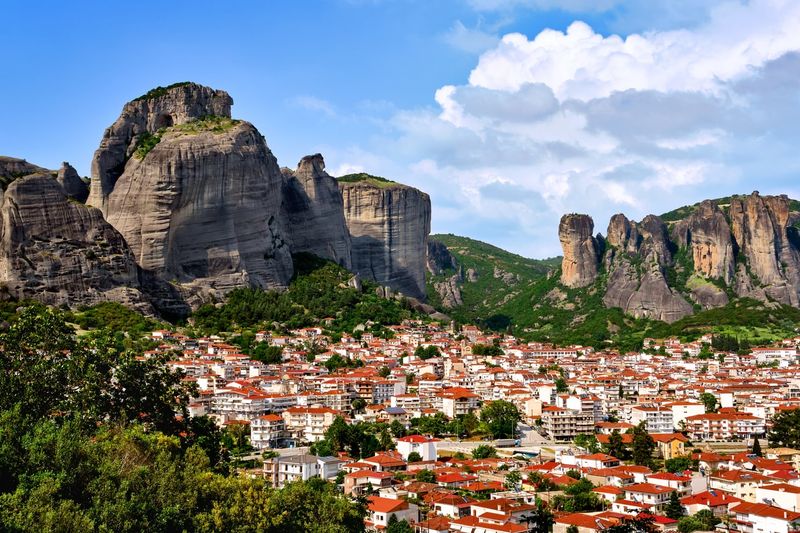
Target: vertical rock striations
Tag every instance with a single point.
(146, 115)
(312, 212)
(770, 265)
(72, 183)
(389, 225)
(581, 250)
(201, 209)
(61, 252)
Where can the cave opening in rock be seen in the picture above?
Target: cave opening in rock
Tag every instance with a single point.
(163, 121)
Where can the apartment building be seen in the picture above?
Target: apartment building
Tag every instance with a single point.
(564, 424)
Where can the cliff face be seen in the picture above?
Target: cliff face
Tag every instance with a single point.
(158, 109)
(201, 209)
(389, 225)
(61, 252)
(312, 212)
(637, 258)
(751, 249)
(72, 183)
(581, 250)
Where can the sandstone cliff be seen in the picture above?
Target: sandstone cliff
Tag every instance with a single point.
(61, 252)
(389, 225)
(72, 183)
(156, 110)
(313, 213)
(581, 250)
(749, 247)
(201, 209)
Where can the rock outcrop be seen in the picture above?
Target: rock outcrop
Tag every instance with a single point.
(449, 291)
(312, 212)
(158, 109)
(61, 252)
(769, 248)
(389, 225)
(581, 250)
(72, 183)
(12, 168)
(201, 209)
(751, 250)
(439, 258)
(637, 258)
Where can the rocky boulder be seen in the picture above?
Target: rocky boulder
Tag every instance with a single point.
(72, 183)
(61, 252)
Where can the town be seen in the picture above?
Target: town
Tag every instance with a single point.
(466, 431)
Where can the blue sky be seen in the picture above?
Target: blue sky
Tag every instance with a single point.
(508, 112)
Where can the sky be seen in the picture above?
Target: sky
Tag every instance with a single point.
(509, 113)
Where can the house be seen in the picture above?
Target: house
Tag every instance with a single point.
(643, 496)
(717, 501)
(358, 482)
(739, 483)
(781, 495)
(656, 418)
(763, 518)
(670, 445)
(380, 510)
(308, 424)
(596, 460)
(424, 446)
(452, 505)
(680, 484)
(282, 470)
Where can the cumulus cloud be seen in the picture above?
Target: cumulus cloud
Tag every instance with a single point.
(578, 121)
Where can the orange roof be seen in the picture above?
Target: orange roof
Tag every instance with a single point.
(386, 505)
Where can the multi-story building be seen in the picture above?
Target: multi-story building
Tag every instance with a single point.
(308, 424)
(282, 470)
(267, 431)
(564, 424)
(657, 419)
(725, 426)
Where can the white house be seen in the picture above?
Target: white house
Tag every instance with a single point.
(424, 446)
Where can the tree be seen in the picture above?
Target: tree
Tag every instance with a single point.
(512, 480)
(540, 519)
(426, 476)
(637, 524)
(393, 525)
(561, 385)
(397, 428)
(414, 457)
(674, 508)
(572, 529)
(785, 430)
(501, 418)
(643, 445)
(710, 402)
(615, 446)
(486, 349)
(756, 448)
(588, 442)
(358, 405)
(678, 464)
(483, 451)
(426, 352)
(384, 371)
(268, 354)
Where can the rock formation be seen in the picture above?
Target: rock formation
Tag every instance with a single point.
(201, 209)
(312, 212)
(72, 183)
(752, 250)
(389, 225)
(12, 168)
(581, 250)
(61, 252)
(637, 258)
(158, 109)
(439, 258)
(768, 246)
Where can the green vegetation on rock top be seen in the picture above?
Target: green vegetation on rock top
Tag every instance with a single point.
(212, 123)
(160, 91)
(368, 178)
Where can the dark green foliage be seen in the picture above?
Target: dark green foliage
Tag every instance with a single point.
(703, 520)
(540, 519)
(160, 91)
(588, 442)
(426, 352)
(268, 354)
(643, 446)
(360, 440)
(638, 524)
(674, 508)
(785, 429)
(146, 142)
(677, 464)
(756, 450)
(578, 498)
(363, 176)
(710, 402)
(414, 457)
(483, 451)
(89, 441)
(488, 350)
(393, 525)
(114, 316)
(319, 290)
(434, 425)
(500, 418)
(615, 446)
(426, 476)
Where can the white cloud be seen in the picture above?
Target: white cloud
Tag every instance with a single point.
(580, 122)
(581, 64)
